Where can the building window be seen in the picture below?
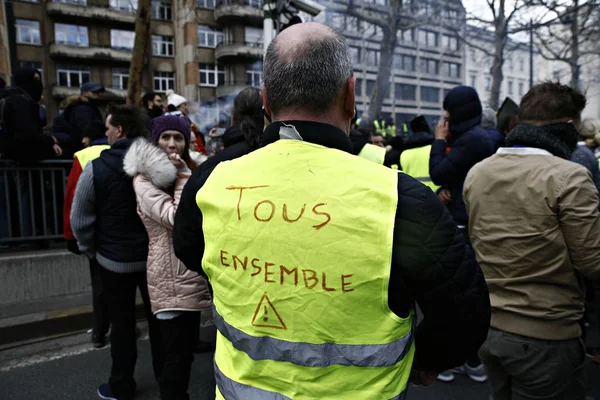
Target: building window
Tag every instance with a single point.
(521, 65)
(164, 81)
(71, 35)
(209, 37)
(370, 87)
(124, 5)
(403, 62)
(211, 75)
(73, 2)
(358, 88)
(430, 94)
(122, 40)
(473, 80)
(209, 4)
(255, 3)
(405, 92)
(451, 70)
(521, 88)
(253, 36)
(161, 10)
(429, 66)
(407, 36)
(488, 83)
(254, 74)
(355, 54)
(510, 87)
(72, 76)
(28, 32)
(120, 78)
(511, 66)
(429, 39)
(163, 46)
(33, 64)
(473, 55)
(372, 57)
(450, 42)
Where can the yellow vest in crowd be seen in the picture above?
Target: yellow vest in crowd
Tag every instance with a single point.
(298, 252)
(415, 162)
(89, 154)
(373, 153)
(380, 127)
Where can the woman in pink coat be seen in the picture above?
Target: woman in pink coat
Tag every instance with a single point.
(160, 169)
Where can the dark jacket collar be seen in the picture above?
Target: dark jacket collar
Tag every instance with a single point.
(122, 144)
(312, 132)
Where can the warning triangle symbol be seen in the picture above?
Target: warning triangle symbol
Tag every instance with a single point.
(266, 316)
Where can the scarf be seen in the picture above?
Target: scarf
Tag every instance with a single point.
(560, 138)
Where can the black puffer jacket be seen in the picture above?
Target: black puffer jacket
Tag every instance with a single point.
(431, 263)
(80, 112)
(450, 169)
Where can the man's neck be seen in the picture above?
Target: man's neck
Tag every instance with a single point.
(299, 115)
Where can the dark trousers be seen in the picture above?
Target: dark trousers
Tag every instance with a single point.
(119, 291)
(178, 339)
(101, 320)
(522, 368)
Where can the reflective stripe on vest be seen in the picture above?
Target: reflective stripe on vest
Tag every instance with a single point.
(314, 355)
(282, 304)
(89, 154)
(373, 153)
(380, 127)
(415, 162)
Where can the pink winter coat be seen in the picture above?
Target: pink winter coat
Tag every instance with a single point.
(171, 286)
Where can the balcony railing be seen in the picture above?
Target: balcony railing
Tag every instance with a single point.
(248, 11)
(239, 49)
(76, 10)
(90, 53)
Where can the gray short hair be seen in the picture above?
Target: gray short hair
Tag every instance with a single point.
(309, 76)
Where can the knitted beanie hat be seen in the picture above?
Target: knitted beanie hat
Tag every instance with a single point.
(464, 107)
(170, 123)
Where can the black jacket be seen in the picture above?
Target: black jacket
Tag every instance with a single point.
(21, 137)
(120, 233)
(80, 113)
(431, 263)
(450, 170)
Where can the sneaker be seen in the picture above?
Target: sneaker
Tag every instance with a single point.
(98, 340)
(475, 373)
(446, 376)
(105, 393)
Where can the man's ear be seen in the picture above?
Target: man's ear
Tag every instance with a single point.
(350, 98)
(120, 130)
(266, 102)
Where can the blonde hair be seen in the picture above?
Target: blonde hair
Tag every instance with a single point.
(590, 129)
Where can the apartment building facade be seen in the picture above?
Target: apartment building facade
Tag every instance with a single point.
(428, 60)
(202, 49)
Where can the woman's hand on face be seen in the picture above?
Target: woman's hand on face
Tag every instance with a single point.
(177, 161)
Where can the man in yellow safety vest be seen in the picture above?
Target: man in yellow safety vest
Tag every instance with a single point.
(308, 248)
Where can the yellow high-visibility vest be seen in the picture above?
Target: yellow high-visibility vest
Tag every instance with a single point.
(89, 154)
(298, 256)
(380, 127)
(415, 162)
(373, 153)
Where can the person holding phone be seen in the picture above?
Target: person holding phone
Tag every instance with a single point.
(459, 144)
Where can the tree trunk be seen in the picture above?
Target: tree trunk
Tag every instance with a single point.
(142, 36)
(498, 61)
(382, 83)
(574, 56)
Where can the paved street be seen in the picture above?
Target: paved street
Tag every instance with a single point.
(74, 373)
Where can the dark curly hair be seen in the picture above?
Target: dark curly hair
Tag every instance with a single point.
(132, 118)
(248, 114)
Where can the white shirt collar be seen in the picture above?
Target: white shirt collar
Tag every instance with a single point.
(523, 151)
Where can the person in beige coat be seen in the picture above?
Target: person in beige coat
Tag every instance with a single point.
(535, 228)
(160, 169)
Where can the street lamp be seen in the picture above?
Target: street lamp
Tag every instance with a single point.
(273, 10)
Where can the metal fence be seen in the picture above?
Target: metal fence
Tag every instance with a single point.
(31, 200)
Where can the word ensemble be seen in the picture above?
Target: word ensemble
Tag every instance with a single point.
(280, 274)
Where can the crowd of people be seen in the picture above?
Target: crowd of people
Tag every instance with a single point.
(311, 236)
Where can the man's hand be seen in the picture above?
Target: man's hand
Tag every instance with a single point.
(57, 150)
(422, 377)
(441, 130)
(445, 196)
(177, 161)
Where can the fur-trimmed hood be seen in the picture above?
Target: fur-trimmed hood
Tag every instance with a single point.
(149, 160)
